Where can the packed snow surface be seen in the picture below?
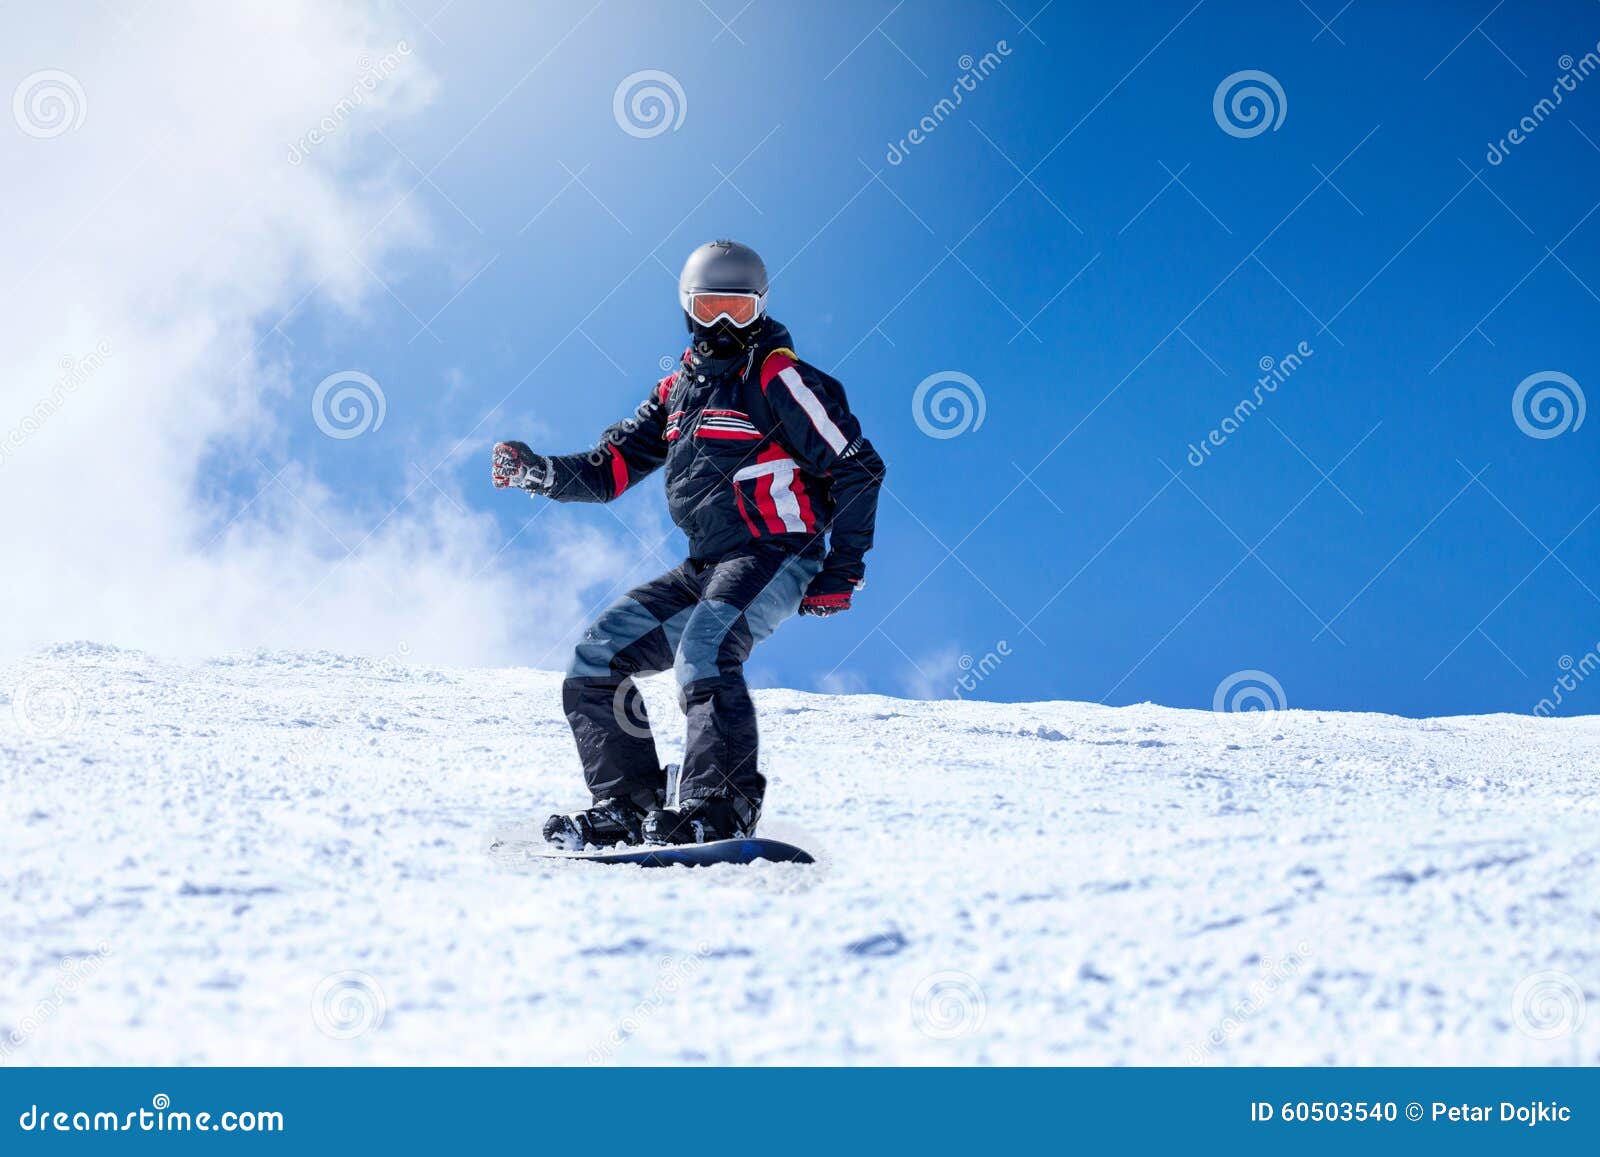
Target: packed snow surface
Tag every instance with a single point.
(282, 858)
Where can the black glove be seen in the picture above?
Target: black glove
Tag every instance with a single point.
(829, 593)
(516, 465)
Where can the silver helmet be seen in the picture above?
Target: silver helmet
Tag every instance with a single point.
(723, 281)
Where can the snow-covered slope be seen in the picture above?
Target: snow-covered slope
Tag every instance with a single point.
(281, 858)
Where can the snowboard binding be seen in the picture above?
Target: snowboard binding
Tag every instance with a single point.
(700, 821)
(608, 823)
(671, 821)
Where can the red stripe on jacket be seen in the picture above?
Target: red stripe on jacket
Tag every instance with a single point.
(619, 472)
(767, 507)
(803, 502)
(776, 362)
(743, 513)
(797, 486)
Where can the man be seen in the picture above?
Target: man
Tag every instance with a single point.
(769, 476)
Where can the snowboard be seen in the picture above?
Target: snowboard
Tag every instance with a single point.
(741, 851)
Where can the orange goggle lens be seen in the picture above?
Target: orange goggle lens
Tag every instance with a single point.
(739, 308)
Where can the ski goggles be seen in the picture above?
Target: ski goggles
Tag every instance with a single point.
(709, 307)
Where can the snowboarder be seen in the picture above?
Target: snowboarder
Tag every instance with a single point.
(771, 479)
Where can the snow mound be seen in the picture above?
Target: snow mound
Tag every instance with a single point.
(281, 858)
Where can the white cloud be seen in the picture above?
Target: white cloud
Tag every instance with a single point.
(927, 675)
(932, 674)
(168, 230)
(842, 683)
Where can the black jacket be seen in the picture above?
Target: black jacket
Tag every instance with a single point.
(758, 447)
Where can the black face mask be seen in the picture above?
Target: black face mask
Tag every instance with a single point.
(722, 339)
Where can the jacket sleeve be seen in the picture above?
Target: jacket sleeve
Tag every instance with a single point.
(627, 452)
(815, 424)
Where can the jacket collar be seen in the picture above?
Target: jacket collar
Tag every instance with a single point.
(772, 335)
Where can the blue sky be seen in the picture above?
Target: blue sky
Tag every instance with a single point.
(1085, 241)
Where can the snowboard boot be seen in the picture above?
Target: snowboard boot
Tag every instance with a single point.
(608, 822)
(700, 821)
